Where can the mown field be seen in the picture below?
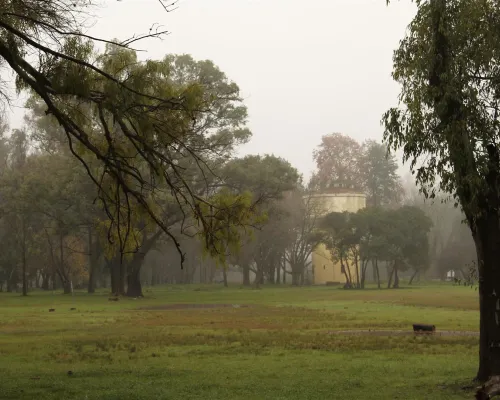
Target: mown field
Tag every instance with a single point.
(274, 343)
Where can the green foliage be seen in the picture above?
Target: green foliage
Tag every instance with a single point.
(342, 162)
(229, 216)
(379, 175)
(337, 162)
(448, 118)
(268, 176)
(176, 146)
(396, 236)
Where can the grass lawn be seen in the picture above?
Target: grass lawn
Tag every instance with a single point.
(274, 343)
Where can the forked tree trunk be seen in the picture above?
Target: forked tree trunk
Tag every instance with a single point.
(134, 286)
(344, 270)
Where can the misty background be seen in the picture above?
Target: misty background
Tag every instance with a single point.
(305, 69)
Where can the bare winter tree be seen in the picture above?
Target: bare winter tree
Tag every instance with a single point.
(304, 233)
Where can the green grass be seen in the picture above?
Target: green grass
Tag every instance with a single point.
(279, 348)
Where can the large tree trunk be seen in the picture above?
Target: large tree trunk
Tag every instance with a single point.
(295, 277)
(91, 283)
(259, 276)
(45, 281)
(396, 278)
(246, 275)
(115, 272)
(485, 227)
(67, 286)
(54, 277)
(134, 286)
(487, 240)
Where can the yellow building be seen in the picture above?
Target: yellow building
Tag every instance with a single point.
(335, 200)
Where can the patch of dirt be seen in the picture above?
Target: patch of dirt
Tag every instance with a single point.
(186, 306)
(403, 333)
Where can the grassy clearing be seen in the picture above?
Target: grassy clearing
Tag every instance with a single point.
(277, 348)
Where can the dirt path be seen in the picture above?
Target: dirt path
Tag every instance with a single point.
(402, 333)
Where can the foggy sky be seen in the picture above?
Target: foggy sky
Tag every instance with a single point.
(305, 68)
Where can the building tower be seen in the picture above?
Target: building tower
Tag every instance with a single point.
(337, 199)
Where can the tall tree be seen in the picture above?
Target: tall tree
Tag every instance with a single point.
(269, 179)
(379, 175)
(304, 234)
(448, 67)
(208, 142)
(121, 119)
(337, 162)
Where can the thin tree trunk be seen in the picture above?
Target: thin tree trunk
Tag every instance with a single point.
(92, 256)
(344, 270)
(413, 277)
(356, 265)
(378, 274)
(390, 277)
(224, 276)
(25, 278)
(364, 267)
